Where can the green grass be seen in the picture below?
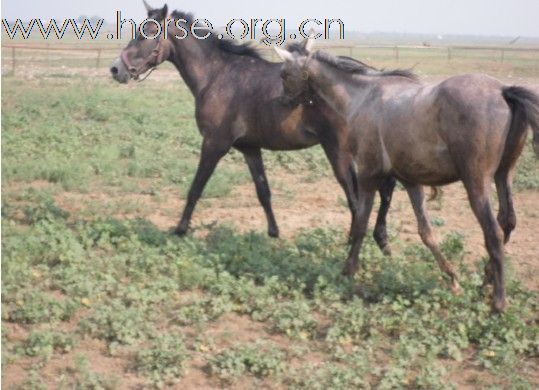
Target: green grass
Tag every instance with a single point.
(258, 360)
(527, 176)
(163, 362)
(100, 134)
(119, 282)
(154, 301)
(103, 133)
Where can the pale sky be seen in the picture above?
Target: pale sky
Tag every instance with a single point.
(466, 17)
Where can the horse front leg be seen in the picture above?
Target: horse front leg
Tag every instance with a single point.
(210, 155)
(343, 168)
(364, 207)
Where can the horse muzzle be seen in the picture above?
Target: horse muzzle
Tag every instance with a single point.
(119, 71)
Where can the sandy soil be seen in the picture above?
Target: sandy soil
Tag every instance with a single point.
(301, 205)
(297, 205)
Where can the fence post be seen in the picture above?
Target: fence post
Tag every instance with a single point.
(397, 53)
(97, 63)
(448, 54)
(13, 60)
(503, 55)
(48, 55)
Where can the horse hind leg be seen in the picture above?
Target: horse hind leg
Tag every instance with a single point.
(380, 229)
(253, 158)
(503, 177)
(417, 197)
(479, 196)
(506, 212)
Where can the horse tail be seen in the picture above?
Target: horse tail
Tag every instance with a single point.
(524, 106)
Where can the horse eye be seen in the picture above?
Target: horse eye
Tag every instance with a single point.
(284, 74)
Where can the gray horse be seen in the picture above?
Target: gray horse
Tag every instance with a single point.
(470, 128)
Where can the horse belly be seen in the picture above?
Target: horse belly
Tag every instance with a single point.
(429, 167)
(281, 138)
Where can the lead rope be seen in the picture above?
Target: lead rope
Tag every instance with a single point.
(147, 74)
(151, 70)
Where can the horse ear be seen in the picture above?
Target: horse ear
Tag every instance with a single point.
(308, 43)
(156, 13)
(285, 55)
(310, 40)
(149, 9)
(163, 13)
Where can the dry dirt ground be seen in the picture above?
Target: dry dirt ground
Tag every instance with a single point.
(300, 205)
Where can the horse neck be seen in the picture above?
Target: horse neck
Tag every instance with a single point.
(337, 88)
(197, 61)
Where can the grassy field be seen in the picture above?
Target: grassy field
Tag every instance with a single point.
(97, 294)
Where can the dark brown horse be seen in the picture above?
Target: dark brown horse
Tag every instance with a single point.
(469, 128)
(238, 97)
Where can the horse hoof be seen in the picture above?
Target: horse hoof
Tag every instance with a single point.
(456, 289)
(498, 305)
(274, 233)
(180, 231)
(386, 250)
(349, 269)
(487, 282)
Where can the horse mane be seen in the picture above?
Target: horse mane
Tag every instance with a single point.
(225, 45)
(353, 66)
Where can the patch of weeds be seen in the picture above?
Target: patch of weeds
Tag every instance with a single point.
(395, 377)
(127, 150)
(34, 307)
(328, 376)
(71, 174)
(45, 343)
(116, 233)
(437, 221)
(82, 377)
(105, 232)
(255, 359)
(163, 361)
(32, 381)
(147, 233)
(527, 176)
(390, 278)
(116, 324)
(203, 311)
(453, 246)
(432, 376)
(294, 318)
(44, 210)
(349, 323)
